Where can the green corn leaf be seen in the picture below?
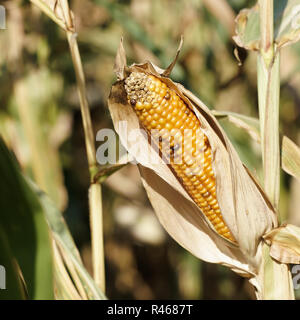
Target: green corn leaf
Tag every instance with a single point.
(25, 228)
(10, 283)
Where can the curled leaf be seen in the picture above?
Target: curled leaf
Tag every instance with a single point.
(286, 25)
(290, 157)
(247, 29)
(284, 243)
(58, 11)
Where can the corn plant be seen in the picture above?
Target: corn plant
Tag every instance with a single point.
(202, 193)
(208, 201)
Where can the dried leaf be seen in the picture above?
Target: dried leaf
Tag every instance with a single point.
(247, 29)
(286, 25)
(284, 243)
(168, 71)
(184, 222)
(290, 157)
(58, 11)
(120, 62)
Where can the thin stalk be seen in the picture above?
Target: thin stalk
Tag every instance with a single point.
(85, 112)
(274, 278)
(95, 203)
(268, 101)
(266, 25)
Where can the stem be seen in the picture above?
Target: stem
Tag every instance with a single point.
(95, 199)
(95, 203)
(274, 278)
(268, 100)
(85, 112)
(96, 219)
(266, 24)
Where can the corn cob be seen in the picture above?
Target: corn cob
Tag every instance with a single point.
(165, 115)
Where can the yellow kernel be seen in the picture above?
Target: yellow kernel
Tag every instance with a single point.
(162, 92)
(151, 87)
(139, 106)
(178, 124)
(159, 99)
(168, 126)
(153, 124)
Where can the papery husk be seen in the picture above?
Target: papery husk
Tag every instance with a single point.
(284, 243)
(243, 204)
(58, 11)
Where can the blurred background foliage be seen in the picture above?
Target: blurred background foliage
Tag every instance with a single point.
(40, 122)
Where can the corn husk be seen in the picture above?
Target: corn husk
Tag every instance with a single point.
(244, 206)
(284, 244)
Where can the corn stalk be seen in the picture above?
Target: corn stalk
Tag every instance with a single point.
(276, 279)
(62, 16)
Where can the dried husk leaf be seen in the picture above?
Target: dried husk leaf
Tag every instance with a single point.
(290, 157)
(284, 243)
(58, 11)
(120, 62)
(243, 204)
(286, 25)
(247, 29)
